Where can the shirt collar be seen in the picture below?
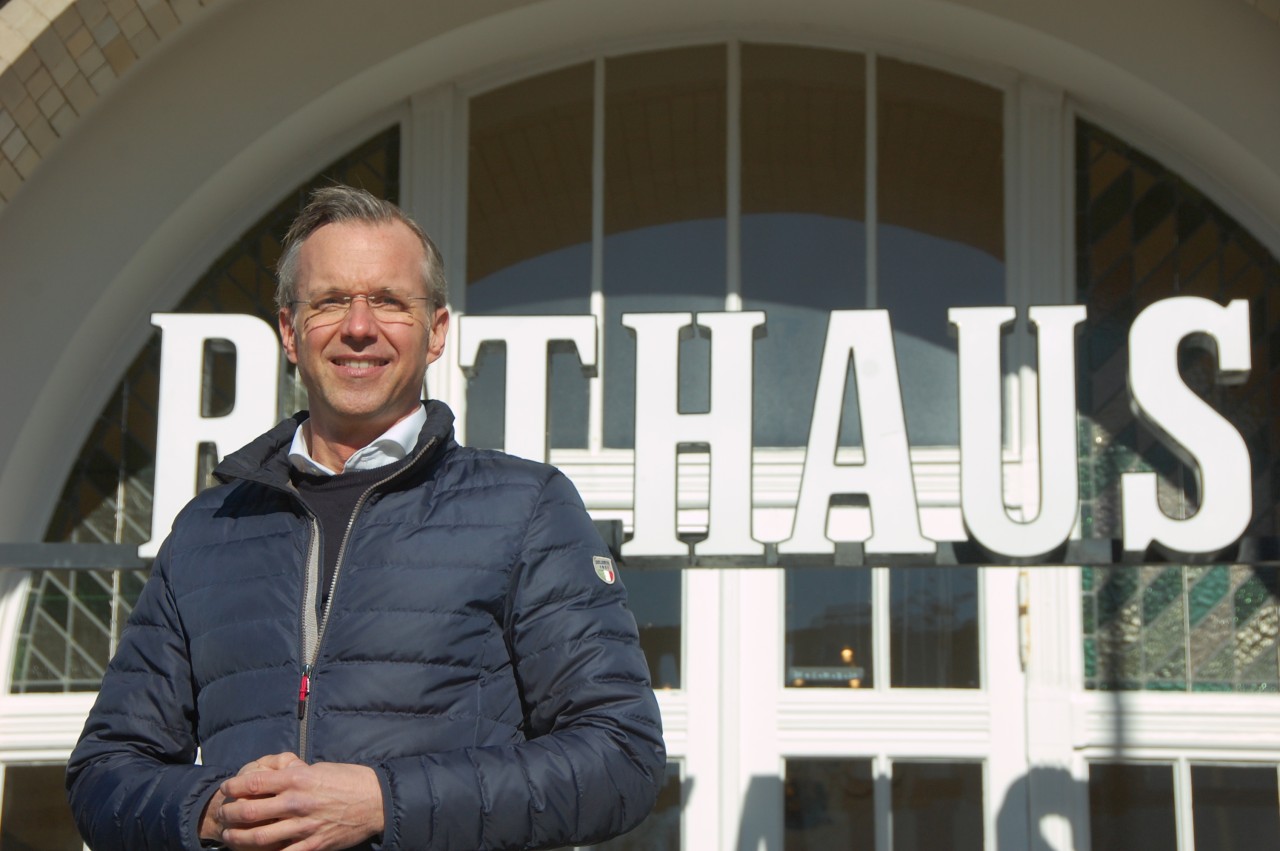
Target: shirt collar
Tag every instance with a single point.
(392, 445)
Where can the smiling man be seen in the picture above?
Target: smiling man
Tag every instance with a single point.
(371, 635)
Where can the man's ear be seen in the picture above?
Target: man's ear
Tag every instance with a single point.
(288, 334)
(437, 332)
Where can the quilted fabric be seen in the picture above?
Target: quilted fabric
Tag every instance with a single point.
(472, 657)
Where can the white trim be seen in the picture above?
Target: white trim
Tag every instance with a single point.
(41, 727)
(14, 588)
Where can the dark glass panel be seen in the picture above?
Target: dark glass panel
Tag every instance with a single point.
(937, 805)
(829, 628)
(664, 206)
(529, 236)
(933, 635)
(656, 598)
(829, 804)
(1235, 809)
(940, 239)
(35, 815)
(1131, 806)
(803, 243)
(529, 178)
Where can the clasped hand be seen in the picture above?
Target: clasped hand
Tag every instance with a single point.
(280, 803)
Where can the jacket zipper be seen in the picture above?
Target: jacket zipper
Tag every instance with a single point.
(313, 632)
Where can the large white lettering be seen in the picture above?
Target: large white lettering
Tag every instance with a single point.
(661, 430)
(181, 427)
(885, 514)
(1199, 435)
(981, 480)
(527, 339)
(884, 476)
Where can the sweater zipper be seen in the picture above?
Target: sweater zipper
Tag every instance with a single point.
(313, 632)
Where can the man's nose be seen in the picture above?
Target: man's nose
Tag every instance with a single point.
(359, 321)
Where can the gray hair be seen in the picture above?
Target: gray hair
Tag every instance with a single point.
(334, 204)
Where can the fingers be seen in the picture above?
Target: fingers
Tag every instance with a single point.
(299, 807)
(265, 776)
(274, 762)
(266, 837)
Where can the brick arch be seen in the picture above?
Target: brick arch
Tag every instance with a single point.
(59, 57)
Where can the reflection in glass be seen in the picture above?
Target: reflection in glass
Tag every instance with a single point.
(937, 805)
(933, 636)
(829, 628)
(829, 804)
(1235, 808)
(529, 237)
(940, 196)
(655, 598)
(35, 814)
(661, 830)
(664, 205)
(803, 222)
(1131, 806)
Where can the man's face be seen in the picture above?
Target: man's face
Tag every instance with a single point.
(362, 372)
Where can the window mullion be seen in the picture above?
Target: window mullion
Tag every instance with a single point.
(733, 179)
(873, 292)
(595, 386)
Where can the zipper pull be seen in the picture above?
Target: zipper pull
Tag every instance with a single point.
(304, 691)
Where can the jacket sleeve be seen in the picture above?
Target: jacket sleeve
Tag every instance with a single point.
(594, 758)
(131, 779)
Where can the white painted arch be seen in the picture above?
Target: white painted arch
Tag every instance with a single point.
(251, 98)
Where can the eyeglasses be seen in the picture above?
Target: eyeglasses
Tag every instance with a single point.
(331, 308)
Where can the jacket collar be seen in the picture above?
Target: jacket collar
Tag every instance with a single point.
(266, 458)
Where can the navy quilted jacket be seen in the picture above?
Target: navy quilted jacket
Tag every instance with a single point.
(471, 656)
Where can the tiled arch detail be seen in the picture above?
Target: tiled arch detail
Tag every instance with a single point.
(58, 57)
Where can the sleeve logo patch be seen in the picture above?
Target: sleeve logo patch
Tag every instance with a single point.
(604, 569)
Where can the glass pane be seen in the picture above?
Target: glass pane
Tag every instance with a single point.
(829, 628)
(1142, 234)
(35, 815)
(937, 805)
(529, 236)
(661, 830)
(70, 628)
(656, 598)
(664, 207)
(1206, 628)
(933, 635)
(1235, 809)
(940, 167)
(1131, 806)
(803, 222)
(829, 804)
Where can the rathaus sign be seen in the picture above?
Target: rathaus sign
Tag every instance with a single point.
(882, 481)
